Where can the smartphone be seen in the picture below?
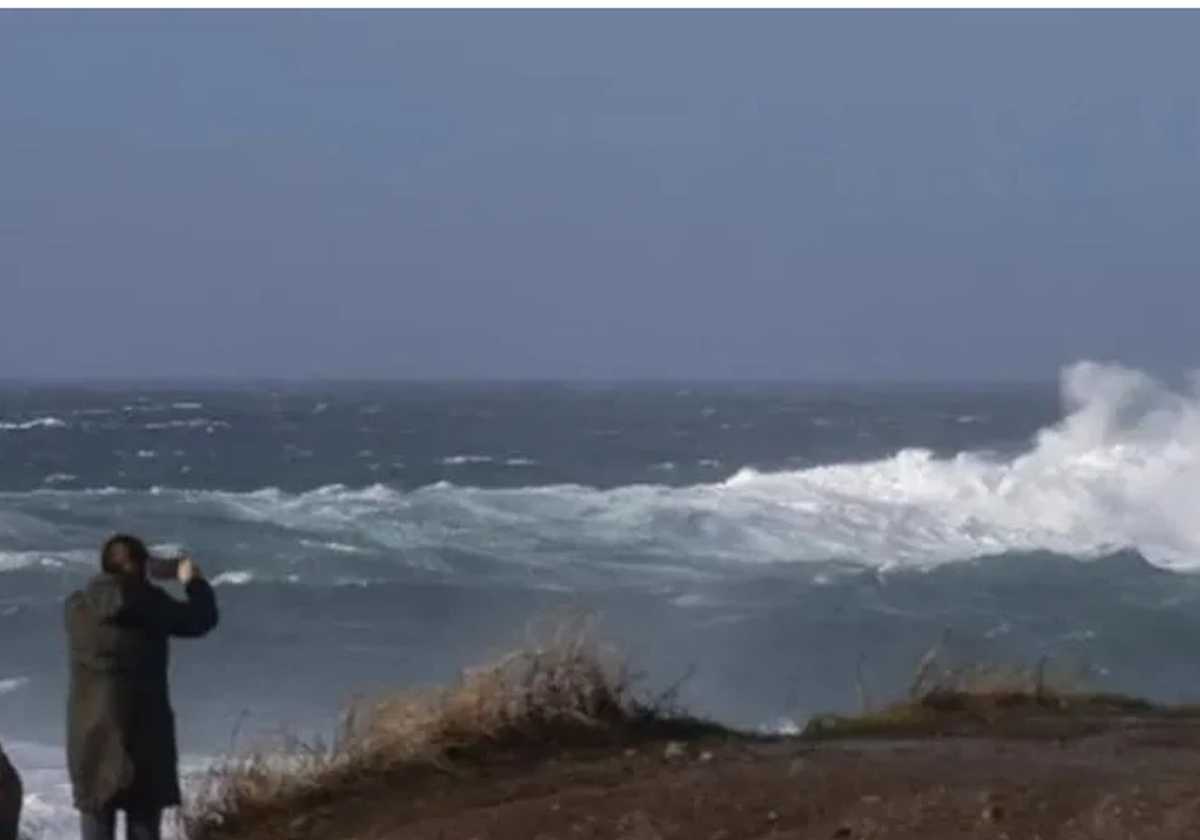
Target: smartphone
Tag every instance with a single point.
(163, 568)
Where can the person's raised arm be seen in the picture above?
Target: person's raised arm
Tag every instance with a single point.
(192, 617)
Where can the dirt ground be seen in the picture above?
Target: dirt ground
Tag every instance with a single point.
(1132, 780)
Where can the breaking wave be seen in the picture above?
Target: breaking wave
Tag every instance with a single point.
(1120, 471)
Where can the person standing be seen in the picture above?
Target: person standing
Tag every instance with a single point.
(121, 747)
(11, 794)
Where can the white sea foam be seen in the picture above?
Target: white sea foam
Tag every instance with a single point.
(1122, 470)
(236, 578)
(335, 547)
(29, 425)
(463, 460)
(10, 684)
(782, 726)
(188, 423)
(14, 560)
(47, 812)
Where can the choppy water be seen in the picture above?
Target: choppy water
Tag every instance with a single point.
(363, 537)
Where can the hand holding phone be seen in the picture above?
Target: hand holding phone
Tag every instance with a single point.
(186, 570)
(181, 568)
(163, 568)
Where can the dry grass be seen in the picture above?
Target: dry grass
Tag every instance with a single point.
(946, 697)
(938, 672)
(566, 693)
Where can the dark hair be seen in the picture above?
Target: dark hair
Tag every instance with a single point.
(124, 554)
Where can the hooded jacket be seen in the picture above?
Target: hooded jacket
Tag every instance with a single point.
(121, 748)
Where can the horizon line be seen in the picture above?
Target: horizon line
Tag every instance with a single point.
(242, 382)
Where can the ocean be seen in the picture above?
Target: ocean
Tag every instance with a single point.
(774, 544)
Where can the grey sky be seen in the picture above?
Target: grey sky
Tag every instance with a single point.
(597, 194)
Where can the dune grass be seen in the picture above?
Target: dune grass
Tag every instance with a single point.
(568, 693)
(981, 697)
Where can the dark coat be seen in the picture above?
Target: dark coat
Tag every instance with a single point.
(11, 793)
(121, 749)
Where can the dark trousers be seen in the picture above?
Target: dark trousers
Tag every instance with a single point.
(139, 825)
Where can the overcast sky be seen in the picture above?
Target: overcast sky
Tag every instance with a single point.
(798, 195)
